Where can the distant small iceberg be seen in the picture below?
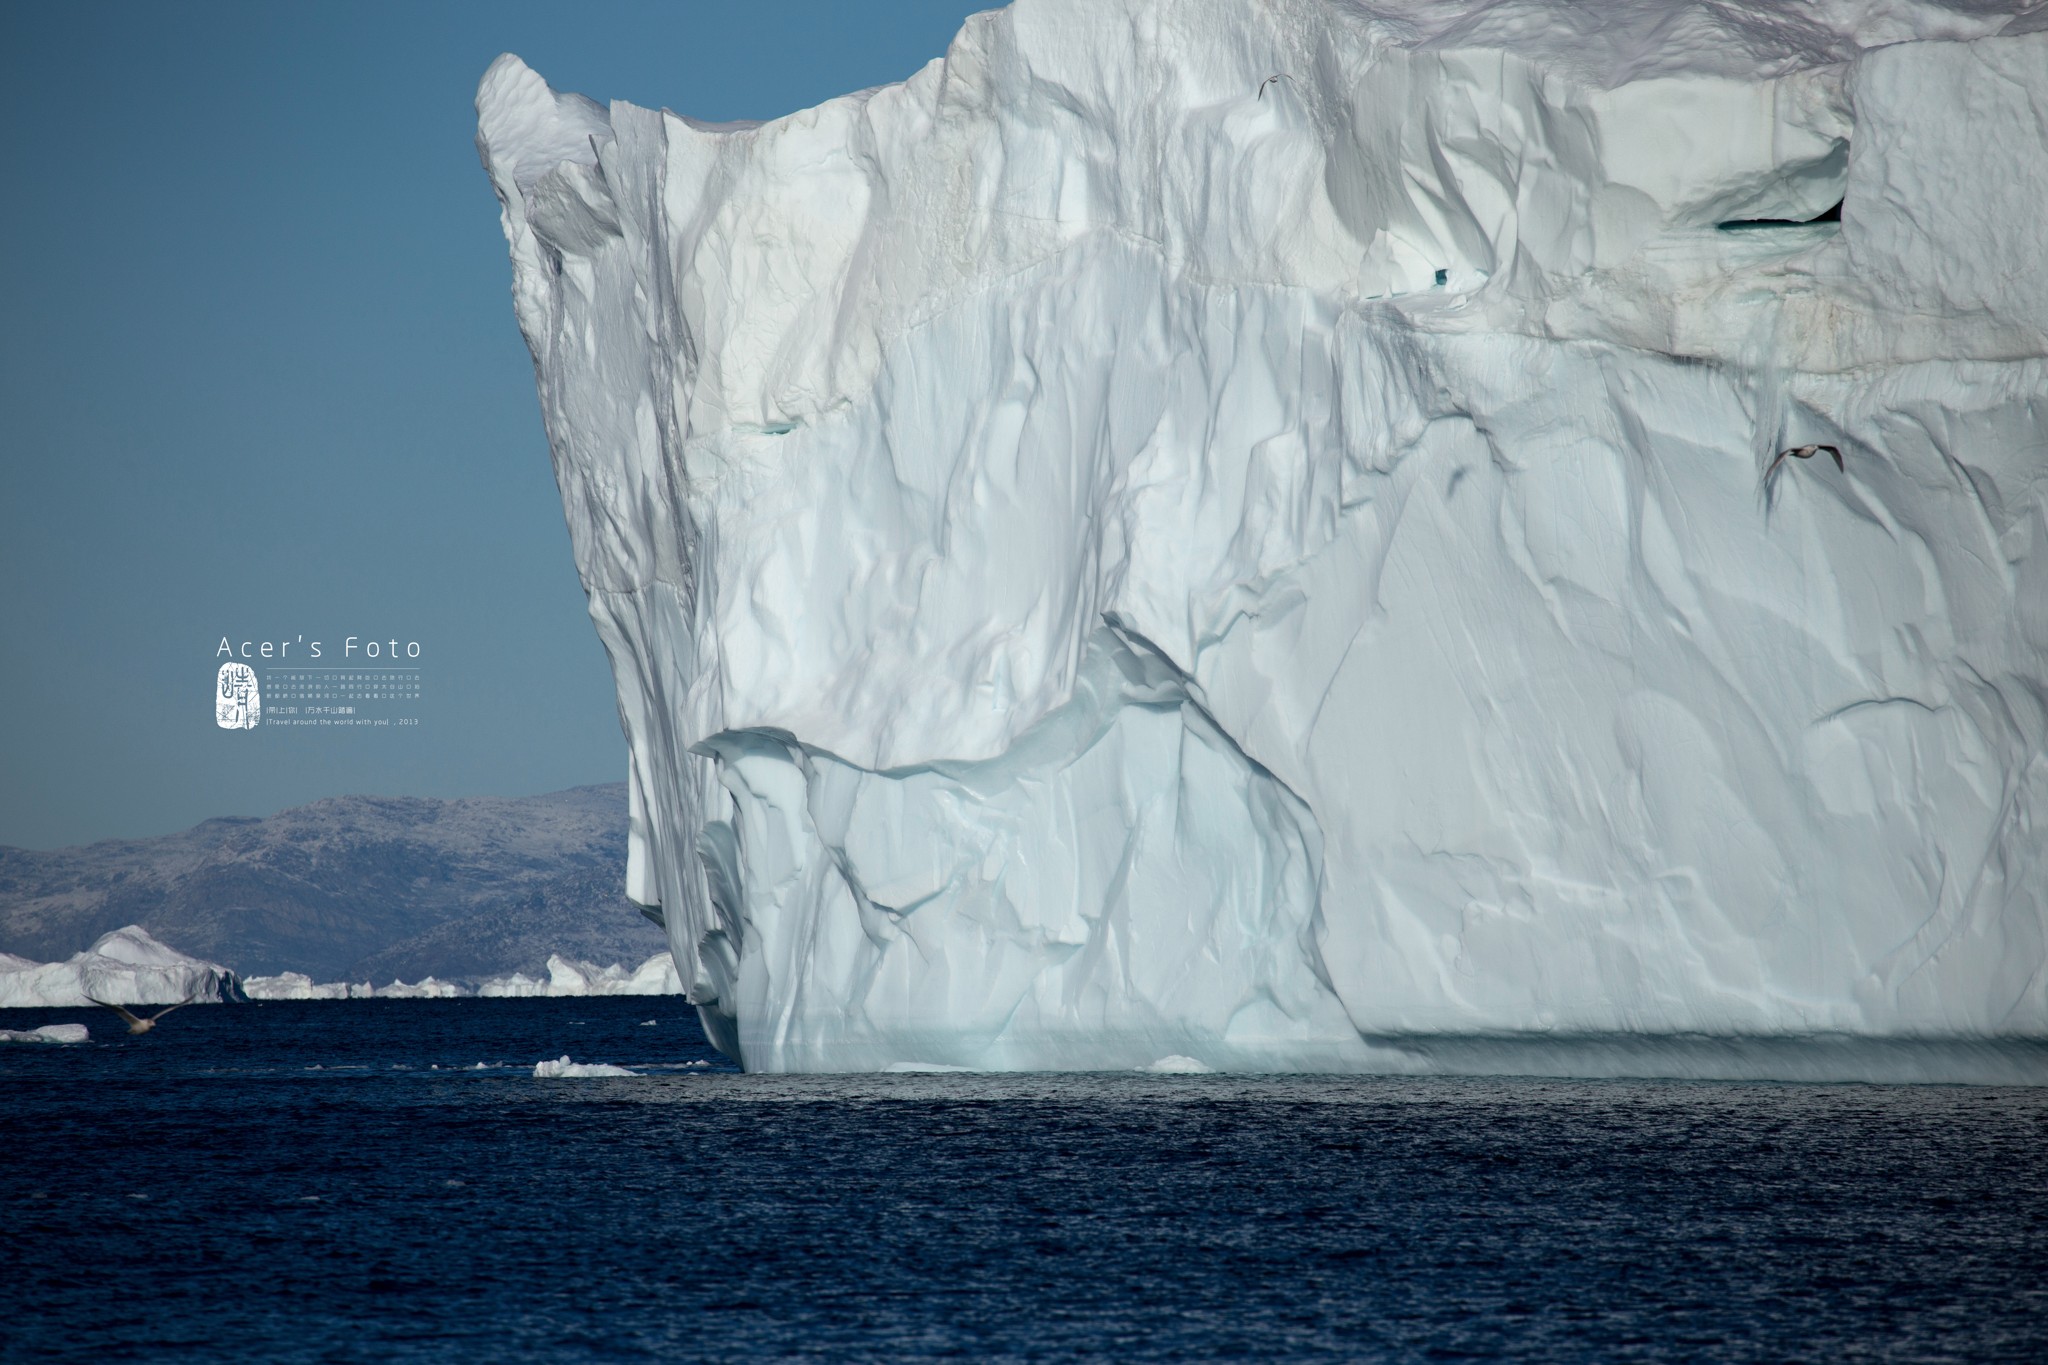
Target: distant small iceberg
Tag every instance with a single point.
(125, 967)
(299, 986)
(656, 976)
(128, 967)
(427, 988)
(568, 1070)
(1177, 1065)
(562, 977)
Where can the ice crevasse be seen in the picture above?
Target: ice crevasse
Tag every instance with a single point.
(1271, 533)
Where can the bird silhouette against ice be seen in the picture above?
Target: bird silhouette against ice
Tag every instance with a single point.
(1802, 453)
(136, 1024)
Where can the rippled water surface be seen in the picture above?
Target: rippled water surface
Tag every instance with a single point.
(338, 1180)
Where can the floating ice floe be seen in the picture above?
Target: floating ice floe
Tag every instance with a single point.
(48, 1033)
(564, 1069)
(124, 967)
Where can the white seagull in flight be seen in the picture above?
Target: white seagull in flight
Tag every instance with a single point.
(135, 1023)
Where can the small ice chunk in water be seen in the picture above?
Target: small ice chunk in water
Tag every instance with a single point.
(1178, 1065)
(48, 1033)
(566, 1069)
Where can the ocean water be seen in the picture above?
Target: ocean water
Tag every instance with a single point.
(339, 1181)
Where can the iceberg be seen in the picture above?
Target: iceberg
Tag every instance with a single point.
(299, 986)
(427, 988)
(564, 1069)
(1179, 1066)
(124, 967)
(567, 977)
(517, 986)
(1274, 536)
(48, 1033)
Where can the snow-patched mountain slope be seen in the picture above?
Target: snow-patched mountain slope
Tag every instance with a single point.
(1256, 531)
(352, 888)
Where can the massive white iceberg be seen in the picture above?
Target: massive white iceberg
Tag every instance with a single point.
(1268, 534)
(123, 967)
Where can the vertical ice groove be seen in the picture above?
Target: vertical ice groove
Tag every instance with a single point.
(1106, 555)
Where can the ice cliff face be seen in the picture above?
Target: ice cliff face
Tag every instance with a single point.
(1255, 532)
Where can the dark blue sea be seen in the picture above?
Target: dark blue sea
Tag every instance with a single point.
(334, 1181)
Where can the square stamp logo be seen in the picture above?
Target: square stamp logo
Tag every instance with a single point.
(237, 699)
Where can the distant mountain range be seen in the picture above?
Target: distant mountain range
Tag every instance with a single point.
(352, 888)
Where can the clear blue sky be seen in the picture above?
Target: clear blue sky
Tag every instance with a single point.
(259, 376)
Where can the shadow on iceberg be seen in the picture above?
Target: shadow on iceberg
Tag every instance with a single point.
(913, 915)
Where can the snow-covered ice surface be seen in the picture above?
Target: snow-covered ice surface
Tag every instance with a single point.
(1255, 534)
(124, 967)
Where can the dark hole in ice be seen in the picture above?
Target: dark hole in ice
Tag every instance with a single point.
(1832, 214)
(1443, 277)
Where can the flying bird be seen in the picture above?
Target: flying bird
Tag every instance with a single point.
(1268, 81)
(1802, 453)
(139, 1025)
